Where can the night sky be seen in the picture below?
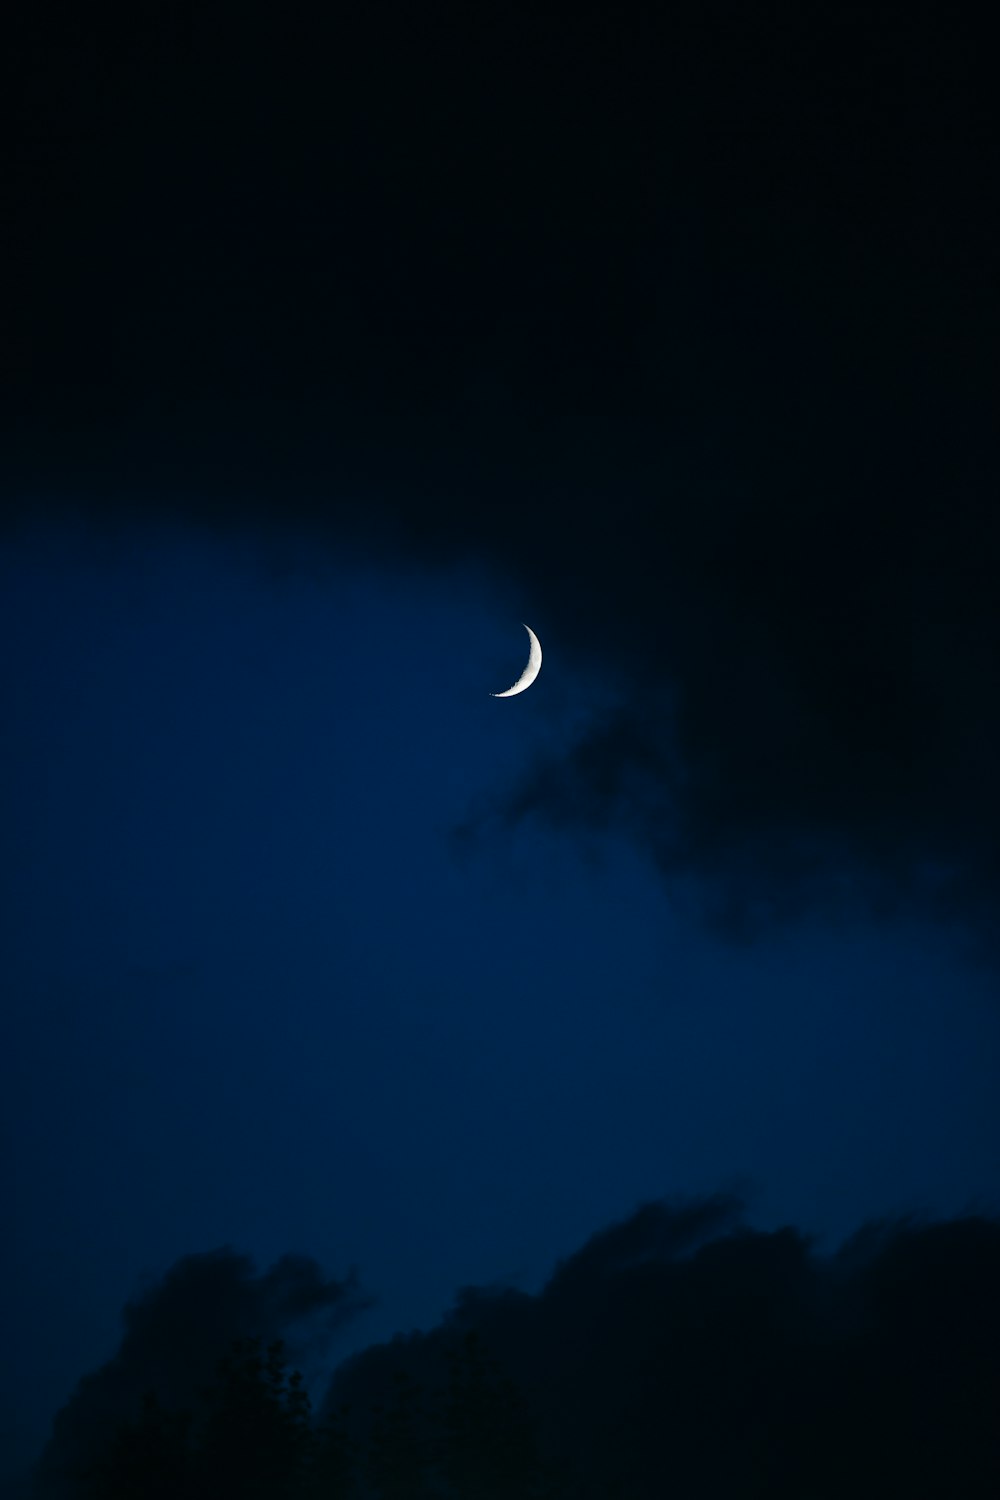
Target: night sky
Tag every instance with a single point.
(337, 346)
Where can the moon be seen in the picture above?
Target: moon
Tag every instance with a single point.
(530, 672)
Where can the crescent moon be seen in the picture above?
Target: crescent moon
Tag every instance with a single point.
(530, 672)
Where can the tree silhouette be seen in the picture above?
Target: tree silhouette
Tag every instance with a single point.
(490, 1446)
(335, 1461)
(400, 1458)
(255, 1441)
(150, 1457)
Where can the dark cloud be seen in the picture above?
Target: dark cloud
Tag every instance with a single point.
(686, 322)
(681, 1352)
(176, 1332)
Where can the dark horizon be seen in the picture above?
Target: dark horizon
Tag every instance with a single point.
(848, 1369)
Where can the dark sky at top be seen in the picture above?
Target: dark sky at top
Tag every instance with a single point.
(336, 345)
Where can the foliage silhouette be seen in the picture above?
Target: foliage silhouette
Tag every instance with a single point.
(401, 1459)
(491, 1449)
(150, 1457)
(648, 1366)
(251, 1438)
(336, 1459)
(256, 1438)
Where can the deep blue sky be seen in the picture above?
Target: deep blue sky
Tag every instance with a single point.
(335, 347)
(259, 994)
